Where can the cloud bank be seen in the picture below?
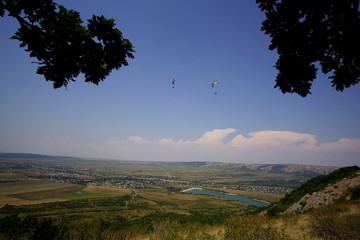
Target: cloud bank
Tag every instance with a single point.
(219, 145)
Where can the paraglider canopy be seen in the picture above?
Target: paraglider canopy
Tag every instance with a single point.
(214, 83)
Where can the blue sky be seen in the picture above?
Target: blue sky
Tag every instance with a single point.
(135, 114)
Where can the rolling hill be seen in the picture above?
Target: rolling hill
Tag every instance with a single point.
(322, 190)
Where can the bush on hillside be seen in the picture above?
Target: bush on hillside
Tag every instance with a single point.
(355, 193)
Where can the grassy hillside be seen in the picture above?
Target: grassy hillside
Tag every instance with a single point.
(99, 219)
(313, 185)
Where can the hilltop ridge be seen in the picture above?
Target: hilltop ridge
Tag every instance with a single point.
(327, 196)
(320, 191)
(298, 169)
(310, 170)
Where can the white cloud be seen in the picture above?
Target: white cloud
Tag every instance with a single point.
(166, 141)
(212, 139)
(343, 145)
(215, 137)
(136, 139)
(277, 139)
(257, 147)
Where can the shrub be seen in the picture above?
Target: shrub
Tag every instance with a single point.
(355, 193)
(30, 227)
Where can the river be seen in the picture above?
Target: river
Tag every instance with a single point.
(250, 201)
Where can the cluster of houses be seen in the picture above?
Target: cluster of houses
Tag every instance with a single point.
(147, 181)
(86, 176)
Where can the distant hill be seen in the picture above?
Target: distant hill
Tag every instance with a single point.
(308, 171)
(319, 191)
(33, 156)
(303, 170)
(24, 155)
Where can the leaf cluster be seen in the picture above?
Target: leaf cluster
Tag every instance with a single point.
(308, 34)
(63, 46)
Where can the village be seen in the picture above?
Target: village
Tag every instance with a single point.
(148, 181)
(81, 172)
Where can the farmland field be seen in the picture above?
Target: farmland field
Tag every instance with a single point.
(91, 186)
(30, 192)
(39, 180)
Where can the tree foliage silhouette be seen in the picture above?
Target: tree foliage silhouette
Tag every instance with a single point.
(311, 34)
(63, 46)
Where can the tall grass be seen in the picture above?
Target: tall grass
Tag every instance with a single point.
(253, 227)
(335, 223)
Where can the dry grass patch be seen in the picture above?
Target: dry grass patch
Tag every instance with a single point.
(268, 197)
(187, 201)
(31, 186)
(183, 197)
(4, 200)
(296, 227)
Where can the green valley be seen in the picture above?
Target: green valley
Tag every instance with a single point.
(72, 198)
